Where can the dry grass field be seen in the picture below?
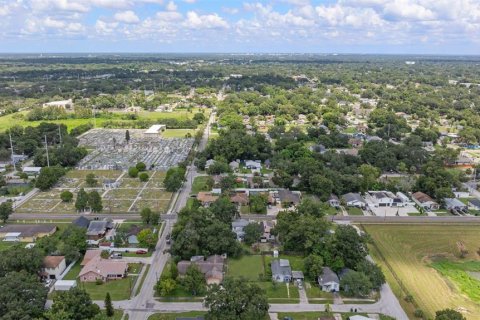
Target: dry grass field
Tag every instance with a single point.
(408, 252)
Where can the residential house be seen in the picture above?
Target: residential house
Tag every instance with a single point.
(32, 171)
(289, 198)
(53, 266)
(97, 230)
(297, 276)
(96, 268)
(342, 274)
(234, 166)
(425, 201)
(132, 233)
(267, 227)
(281, 270)
(474, 204)
(255, 165)
(240, 198)
(238, 226)
(333, 201)
(455, 204)
(81, 222)
(27, 232)
(328, 280)
(206, 198)
(209, 163)
(355, 142)
(384, 199)
(212, 267)
(354, 200)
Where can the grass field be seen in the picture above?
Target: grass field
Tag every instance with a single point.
(248, 267)
(199, 184)
(119, 289)
(18, 118)
(5, 245)
(352, 211)
(411, 251)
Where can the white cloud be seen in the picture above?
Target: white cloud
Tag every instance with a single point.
(63, 5)
(208, 21)
(4, 10)
(408, 9)
(128, 17)
(190, 1)
(171, 6)
(52, 23)
(103, 27)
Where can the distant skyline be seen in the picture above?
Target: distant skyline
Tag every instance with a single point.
(342, 26)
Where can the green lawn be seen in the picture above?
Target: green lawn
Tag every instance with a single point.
(296, 262)
(173, 316)
(134, 267)
(142, 280)
(458, 272)
(352, 211)
(73, 273)
(199, 184)
(314, 292)
(178, 133)
(119, 289)
(314, 315)
(248, 267)
(5, 245)
(278, 293)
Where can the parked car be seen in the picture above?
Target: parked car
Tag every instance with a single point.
(141, 252)
(116, 255)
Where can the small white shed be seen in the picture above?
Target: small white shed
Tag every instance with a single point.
(64, 285)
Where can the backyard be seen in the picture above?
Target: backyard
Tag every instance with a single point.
(424, 261)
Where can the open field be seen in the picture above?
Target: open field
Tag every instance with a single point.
(410, 252)
(119, 289)
(18, 119)
(132, 195)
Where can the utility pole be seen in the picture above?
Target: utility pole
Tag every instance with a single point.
(11, 148)
(46, 148)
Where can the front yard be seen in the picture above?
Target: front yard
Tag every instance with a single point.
(119, 289)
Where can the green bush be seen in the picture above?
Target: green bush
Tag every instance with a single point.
(133, 172)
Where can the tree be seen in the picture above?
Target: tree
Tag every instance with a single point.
(174, 179)
(356, 284)
(143, 177)
(91, 180)
(108, 305)
(449, 314)
(75, 304)
(349, 246)
(236, 300)
(313, 266)
(224, 210)
(132, 172)
(199, 117)
(194, 280)
(370, 174)
(48, 177)
(95, 201)
(22, 296)
(321, 186)
(66, 196)
(146, 214)
(127, 136)
(165, 286)
(81, 202)
(258, 203)
(147, 238)
(141, 166)
(6, 210)
(74, 243)
(253, 232)
(373, 272)
(20, 259)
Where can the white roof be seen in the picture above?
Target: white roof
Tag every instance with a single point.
(65, 283)
(359, 318)
(32, 169)
(12, 234)
(59, 103)
(155, 128)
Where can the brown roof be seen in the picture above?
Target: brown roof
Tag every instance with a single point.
(421, 197)
(89, 255)
(51, 262)
(240, 198)
(205, 197)
(104, 267)
(211, 268)
(29, 230)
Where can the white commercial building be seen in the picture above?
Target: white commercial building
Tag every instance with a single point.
(156, 129)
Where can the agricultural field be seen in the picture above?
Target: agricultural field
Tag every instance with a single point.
(426, 262)
(131, 195)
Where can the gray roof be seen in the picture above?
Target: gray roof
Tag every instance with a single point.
(288, 196)
(297, 275)
(454, 203)
(327, 276)
(281, 267)
(239, 223)
(474, 202)
(349, 197)
(344, 272)
(97, 227)
(81, 222)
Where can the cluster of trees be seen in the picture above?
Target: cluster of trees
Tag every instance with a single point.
(174, 179)
(138, 171)
(206, 231)
(193, 281)
(71, 243)
(48, 177)
(88, 201)
(307, 232)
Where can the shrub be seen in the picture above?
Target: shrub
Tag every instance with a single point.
(66, 196)
(133, 172)
(143, 176)
(418, 313)
(141, 166)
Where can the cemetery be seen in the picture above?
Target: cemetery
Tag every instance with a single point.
(110, 149)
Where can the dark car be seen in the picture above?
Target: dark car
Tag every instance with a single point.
(141, 252)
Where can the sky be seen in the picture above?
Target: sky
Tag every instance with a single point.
(284, 26)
